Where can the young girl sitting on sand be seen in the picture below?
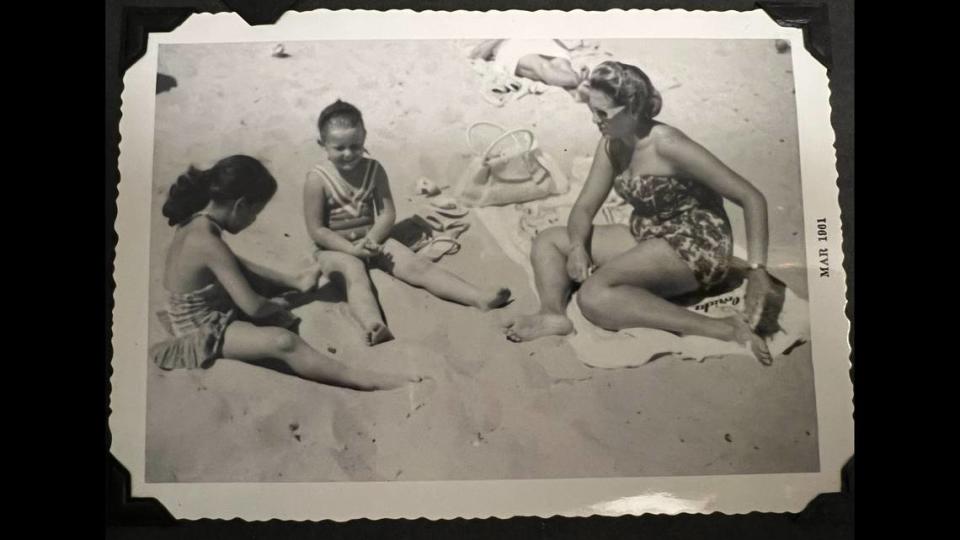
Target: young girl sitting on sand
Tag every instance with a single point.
(349, 209)
(214, 309)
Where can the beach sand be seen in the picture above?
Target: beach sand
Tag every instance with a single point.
(495, 410)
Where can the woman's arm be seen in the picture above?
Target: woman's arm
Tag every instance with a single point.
(386, 211)
(700, 164)
(595, 190)
(314, 212)
(580, 223)
(697, 162)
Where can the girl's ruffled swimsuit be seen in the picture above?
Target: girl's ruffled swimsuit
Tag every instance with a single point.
(198, 321)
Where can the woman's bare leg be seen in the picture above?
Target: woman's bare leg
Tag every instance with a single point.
(548, 256)
(631, 291)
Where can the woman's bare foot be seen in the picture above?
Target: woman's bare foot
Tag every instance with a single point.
(531, 327)
(376, 333)
(744, 335)
(497, 299)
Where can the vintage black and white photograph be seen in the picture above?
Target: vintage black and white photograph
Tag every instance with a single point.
(476, 258)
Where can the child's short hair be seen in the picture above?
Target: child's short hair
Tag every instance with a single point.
(230, 179)
(627, 86)
(340, 114)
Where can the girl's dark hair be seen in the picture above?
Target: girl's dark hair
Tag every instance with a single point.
(627, 86)
(341, 114)
(230, 179)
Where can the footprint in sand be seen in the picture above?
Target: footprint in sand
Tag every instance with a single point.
(355, 450)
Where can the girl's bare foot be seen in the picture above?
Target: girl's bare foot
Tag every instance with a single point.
(376, 333)
(497, 299)
(531, 327)
(373, 382)
(744, 335)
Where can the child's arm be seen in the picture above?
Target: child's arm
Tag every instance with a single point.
(314, 212)
(387, 213)
(302, 282)
(229, 272)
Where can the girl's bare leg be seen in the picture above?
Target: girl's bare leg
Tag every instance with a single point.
(418, 271)
(247, 342)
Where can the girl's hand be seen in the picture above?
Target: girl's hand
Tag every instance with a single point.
(361, 251)
(372, 245)
(759, 286)
(579, 264)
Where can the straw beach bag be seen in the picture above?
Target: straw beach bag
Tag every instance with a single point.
(507, 168)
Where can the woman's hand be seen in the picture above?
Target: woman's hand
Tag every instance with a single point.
(579, 264)
(759, 286)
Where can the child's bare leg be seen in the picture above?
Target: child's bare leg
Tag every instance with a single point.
(248, 342)
(418, 271)
(360, 298)
(552, 71)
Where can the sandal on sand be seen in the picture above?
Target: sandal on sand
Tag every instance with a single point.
(440, 246)
(442, 224)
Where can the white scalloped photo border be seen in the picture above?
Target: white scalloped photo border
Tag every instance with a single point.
(342, 501)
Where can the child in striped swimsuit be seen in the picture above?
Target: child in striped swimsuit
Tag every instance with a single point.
(216, 306)
(349, 209)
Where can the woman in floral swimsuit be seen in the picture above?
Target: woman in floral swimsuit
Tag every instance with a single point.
(678, 240)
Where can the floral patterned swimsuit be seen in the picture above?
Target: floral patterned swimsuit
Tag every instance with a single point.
(685, 213)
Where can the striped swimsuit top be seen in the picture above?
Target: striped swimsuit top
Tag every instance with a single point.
(350, 211)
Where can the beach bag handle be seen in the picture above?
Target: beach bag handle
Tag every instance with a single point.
(504, 133)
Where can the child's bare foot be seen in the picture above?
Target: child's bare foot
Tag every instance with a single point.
(377, 333)
(744, 335)
(497, 299)
(307, 279)
(538, 325)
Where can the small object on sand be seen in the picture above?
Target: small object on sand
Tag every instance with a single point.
(426, 186)
(782, 45)
(727, 437)
(294, 426)
(448, 203)
(332, 350)
(279, 51)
